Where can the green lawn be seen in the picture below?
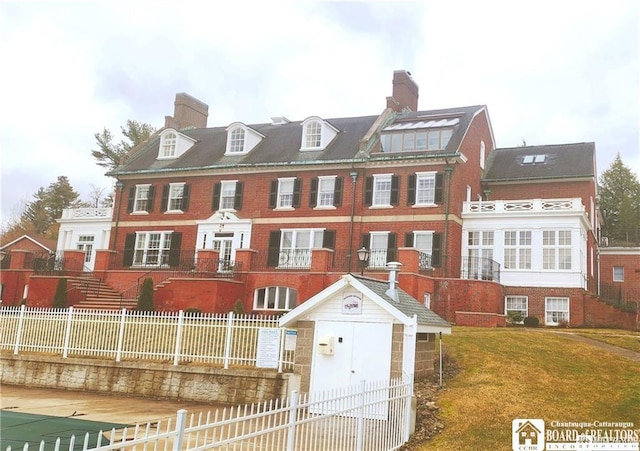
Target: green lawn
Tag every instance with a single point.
(511, 373)
(622, 338)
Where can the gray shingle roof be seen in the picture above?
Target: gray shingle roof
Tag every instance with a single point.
(406, 304)
(561, 161)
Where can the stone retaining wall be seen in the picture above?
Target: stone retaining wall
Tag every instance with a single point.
(145, 379)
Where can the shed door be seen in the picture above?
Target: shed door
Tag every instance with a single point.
(362, 351)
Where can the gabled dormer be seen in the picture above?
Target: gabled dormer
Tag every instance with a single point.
(241, 139)
(173, 144)
(317, 133)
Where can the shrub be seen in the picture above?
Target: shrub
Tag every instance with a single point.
(563, 324)
(145, 300)
(531, 321)
(514, 317)
(60, 297)
(238, 308)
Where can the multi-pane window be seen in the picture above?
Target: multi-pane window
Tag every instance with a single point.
(382, 190)
(85, 243)
(152, 248)
(326, 190)
(516, 304)
(379, 244)
(479, 264)
(142, 198)
(285, 192)
(313, 136)
(556, 310)
(618, 273)
(411, 141)
(236, 140)
(423, 241)
(296, 246)
(275, 298)
(168, 146)
(227, 195)
(425, 188)
(556, 249)
(517, 249)
(176, 197)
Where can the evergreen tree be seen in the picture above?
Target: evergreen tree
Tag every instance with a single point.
(145, 299)
(620, 203)
(110, 155)
(60, 297)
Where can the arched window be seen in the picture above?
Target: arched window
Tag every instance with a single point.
(168, 145)
(313, 135)
(236, 140)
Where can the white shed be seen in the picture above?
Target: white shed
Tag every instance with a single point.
(360, 328)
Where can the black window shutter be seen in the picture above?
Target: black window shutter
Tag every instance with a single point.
(366, 240)
(132, 199)
(337, 194)
(392, 247)
(436, 250)
(329, 239)
(408, 239)
(297, 187)
(395, 189)
(237, 201)
(273, 194)
(411, 190)
(129, 245)
(368, 191)
(437, 195)
(215, 203)
(151, 198)
(313, 194)
(165, 198)
(274, 248)
(174, 250)
(185, 196)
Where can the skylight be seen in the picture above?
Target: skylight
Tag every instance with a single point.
(533, 159)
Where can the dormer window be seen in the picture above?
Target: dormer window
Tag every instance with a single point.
(241, 139)
(173, 144)
(316, 134)
(168, 145)
(418, 135)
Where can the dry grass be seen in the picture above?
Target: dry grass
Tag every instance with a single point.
(622, 338)
(519, 373)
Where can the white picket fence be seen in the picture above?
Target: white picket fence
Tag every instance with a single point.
(221, 339)
(350, 420)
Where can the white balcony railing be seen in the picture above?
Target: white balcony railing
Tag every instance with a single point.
(87, 213)
(520, 206)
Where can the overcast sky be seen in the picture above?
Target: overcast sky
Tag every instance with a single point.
(549, 72)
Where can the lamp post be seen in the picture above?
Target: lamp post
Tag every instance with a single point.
(363, 257)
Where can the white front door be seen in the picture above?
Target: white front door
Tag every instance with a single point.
(223, 243)
(362, 351)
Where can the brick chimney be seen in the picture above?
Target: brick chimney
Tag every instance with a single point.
(188, 112)
(405, 92)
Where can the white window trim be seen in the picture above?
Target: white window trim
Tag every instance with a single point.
(222, 197)
(556, 247)
(302, 260)
(231, 142)
(512, 297)
(420, 175)
(547, 311)
(288, 300)
(327, 133)
(136, 208)
(161, 249)
(482, 154)
(318, 196)
(162, 152)
(615, 277)
(170, 198)
(376, 177)
(280, 193)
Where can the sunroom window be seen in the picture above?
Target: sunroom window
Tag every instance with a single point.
(275, 298)
(416, 140)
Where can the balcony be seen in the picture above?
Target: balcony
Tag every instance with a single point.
(480, 269)
(86, 214)
(528, 206)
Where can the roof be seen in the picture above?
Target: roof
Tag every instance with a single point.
(558, 161)
(46, 244)
(404, 309)
(281, 143)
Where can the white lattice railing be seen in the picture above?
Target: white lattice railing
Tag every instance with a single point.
(87, 213)
(373, 416)
(222, 339)
(517, 206)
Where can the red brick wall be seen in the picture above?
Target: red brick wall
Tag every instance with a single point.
(457, 295)
(631, 264)
(13, 282)
(480, 319)
(209, 296)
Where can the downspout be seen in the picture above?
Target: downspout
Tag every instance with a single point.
(448, 170)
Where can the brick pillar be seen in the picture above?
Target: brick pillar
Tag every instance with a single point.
(103, 258)
(19, 258)
(410, 259)
(321, 259)
(208, 260)
(73, 260)
(244, 259)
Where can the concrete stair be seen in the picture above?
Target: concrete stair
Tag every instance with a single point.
(99, 295)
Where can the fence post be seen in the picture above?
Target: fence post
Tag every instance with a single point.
(67, 333)
(281, 357)
(121, 335)
(293, 409)
(360, 426)
(181, 421)
(19, 330)
(227, 344)
(176, 352)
